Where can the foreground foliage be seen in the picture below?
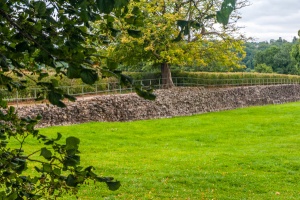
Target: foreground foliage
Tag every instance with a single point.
(249, 153)
(35, 36)
(58, 167)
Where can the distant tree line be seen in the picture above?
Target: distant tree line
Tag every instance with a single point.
(273, 56)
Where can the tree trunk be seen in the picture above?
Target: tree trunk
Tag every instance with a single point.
(166, 76)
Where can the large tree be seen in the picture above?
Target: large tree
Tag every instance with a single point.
(172, 32)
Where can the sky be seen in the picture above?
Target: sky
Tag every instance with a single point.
(270, 19)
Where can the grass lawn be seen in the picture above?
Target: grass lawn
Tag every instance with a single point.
(250, 153)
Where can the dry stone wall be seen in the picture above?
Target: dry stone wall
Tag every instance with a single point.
(172, 102)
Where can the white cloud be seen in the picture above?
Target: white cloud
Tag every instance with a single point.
(271, 19)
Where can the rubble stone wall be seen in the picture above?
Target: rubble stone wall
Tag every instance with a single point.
(177, 101)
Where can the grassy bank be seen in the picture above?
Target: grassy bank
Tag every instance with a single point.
(251, 153)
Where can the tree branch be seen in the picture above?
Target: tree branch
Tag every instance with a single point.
(32, 153)
(22, 31)
(42, 162)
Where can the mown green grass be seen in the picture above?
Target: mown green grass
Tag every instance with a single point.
(250, 153)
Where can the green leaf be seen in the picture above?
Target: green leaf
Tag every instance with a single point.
(136, 10)
(224, 14)
(107, 73)
(50, 142)
(61, 104)
(73, 72)
(210, 16)
(47, 168)
(55, 98)
(78, 57)
(84, 15)
(121, 3)
(114, 32)
(71, 160)
(72, 143)
(71, 181)
(9, 87)
(3, 195)
(59, 135)
(125, 80)
(144, 93)
(89, 168)
(182, 23)
(3, 103)
(3, 143)
(105, 6)
(3, 137)
(113, 185)
(12, 109)
(37, 169)
(69, 97)
(130, 20)
(4, 79)
(40, 7)
(184, 26)
(111, 65)
(43, 75)
(4, 64)
(18, 73)
(21, 47)
(12, 196)
(134, 33)
(178, 38)
(109, 18)
(196, 25)
(47, 154)
(89, 76)
(57, 171)
(55, 82)
(139, 22)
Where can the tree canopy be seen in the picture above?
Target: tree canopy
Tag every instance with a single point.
(182, 33)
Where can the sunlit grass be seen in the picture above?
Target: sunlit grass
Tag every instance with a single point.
(251, 153)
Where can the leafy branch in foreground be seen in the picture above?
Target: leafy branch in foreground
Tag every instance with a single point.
(38, 38)
(58, 169)
(43, 38)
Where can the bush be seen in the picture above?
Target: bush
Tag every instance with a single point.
(263, 68)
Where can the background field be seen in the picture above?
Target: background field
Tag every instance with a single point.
(250, 153)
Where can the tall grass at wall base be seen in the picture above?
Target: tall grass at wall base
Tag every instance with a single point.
(219, 78)
(212, 75)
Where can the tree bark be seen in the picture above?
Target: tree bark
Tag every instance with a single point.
(166, 76)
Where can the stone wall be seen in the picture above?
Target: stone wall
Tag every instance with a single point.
(173, 102)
